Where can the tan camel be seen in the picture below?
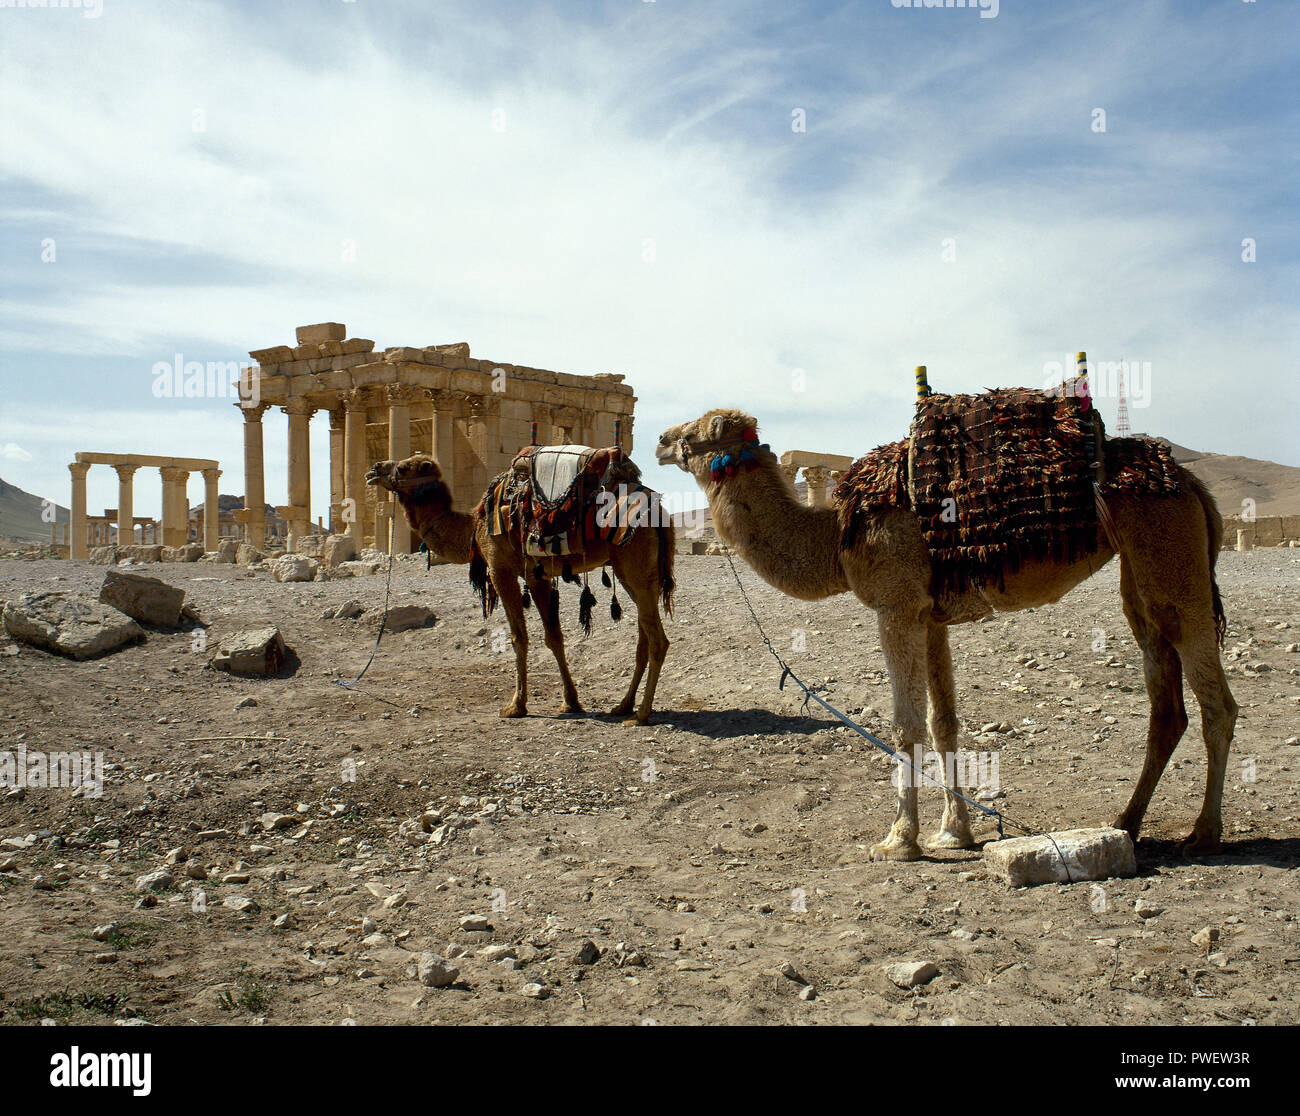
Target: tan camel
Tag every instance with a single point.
(1167, 544)
(643, 564)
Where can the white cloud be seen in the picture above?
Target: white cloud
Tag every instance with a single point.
(12, 451)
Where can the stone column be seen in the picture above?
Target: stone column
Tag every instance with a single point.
(254, 476)
(354, 449)
(816, 476)
(336, 467)
(77, 546)
(125, 504)
(211, 510)
(791, 473)
(444, 449)
(299, 412)
(400, 397)
(479, 408)
(173, 505)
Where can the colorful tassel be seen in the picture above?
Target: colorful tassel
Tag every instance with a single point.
(585, 604)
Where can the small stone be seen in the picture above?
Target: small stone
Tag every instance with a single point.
(962, 935)
(434, 971)
(154, 881)
(272, 821)
(1143, 909)
(807, 992)
(588, 954)
(247, 703)
(497, 952)
(1206, 937)
(475, 923)
(284, 922)
(911, 974)
(534, 991)
(240, 904)
(103, 933)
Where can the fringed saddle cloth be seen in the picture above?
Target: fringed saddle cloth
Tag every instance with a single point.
(554, 493)
(999, 479)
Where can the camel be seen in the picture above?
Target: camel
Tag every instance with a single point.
(1167, 546)
(644, 565)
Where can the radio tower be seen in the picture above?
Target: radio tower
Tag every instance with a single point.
(1122, 428)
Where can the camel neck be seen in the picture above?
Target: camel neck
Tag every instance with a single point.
(791, 546)
(447, 535)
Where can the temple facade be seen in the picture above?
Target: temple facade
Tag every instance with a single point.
(471, 415)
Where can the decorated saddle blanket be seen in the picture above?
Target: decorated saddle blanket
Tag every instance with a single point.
(999, 479)
(563, 497)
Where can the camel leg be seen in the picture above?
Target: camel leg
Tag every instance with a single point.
(1218, 717)
(652, 644)
(512, 601)
(542, 593)
(624, 707)
(903, 640)
(1168, 720)
(954, 830)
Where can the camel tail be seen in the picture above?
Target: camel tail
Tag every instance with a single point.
(1214, 525)
(478, 578)
(667, 552)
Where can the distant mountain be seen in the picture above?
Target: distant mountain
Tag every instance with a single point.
(1274, 488)
(20, 515)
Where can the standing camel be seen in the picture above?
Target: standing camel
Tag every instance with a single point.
(644, 564)
(1167, 545)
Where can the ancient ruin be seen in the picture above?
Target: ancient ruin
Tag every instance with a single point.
(471, 415)
(819, 469)
(87, 531)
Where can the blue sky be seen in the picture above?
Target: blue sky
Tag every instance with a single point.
(618, 187)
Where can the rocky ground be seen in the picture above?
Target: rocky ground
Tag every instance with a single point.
(716, 859)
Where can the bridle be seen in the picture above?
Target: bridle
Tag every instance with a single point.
(731, 455)
(748, 438)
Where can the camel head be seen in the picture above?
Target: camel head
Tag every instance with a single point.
(692, 446)
(415, 480)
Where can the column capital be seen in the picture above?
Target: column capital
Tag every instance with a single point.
(79, 469)
(125, 472)
(480, 405)
(173, 475)
(337, 417)
(400, 395)
(299, 405)
(254, 413)
(211, 476)
(442, 400)
(354, 399)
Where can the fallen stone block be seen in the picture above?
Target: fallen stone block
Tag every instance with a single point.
(405, 617)
(143, 552)
(339, 549)
(911, 974)
(365, 567)
(69, 625)
(293, 567)
(146, 599)
(103, 555)
(190, 552)
(1091, 854)
(227, 550)
(247, 555)
(255, 653)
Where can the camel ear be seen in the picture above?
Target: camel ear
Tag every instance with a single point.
(717, 426)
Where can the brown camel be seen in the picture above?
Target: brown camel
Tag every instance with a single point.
(644, 565)
(1167, 545)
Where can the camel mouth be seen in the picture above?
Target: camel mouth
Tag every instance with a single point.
(666, 454)
(380, 473)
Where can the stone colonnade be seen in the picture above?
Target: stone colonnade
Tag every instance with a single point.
(471, 416)
(821, 472)
(175, 473)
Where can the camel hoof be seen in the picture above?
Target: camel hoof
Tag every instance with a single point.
(886, 851)
(568, 710)
(1195, 844)
(622, 709)
(945, 839)
(514, 710)
(637, 720)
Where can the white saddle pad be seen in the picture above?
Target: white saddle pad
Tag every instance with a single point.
(554, 469)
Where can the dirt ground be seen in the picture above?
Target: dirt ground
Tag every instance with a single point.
(701, 854)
